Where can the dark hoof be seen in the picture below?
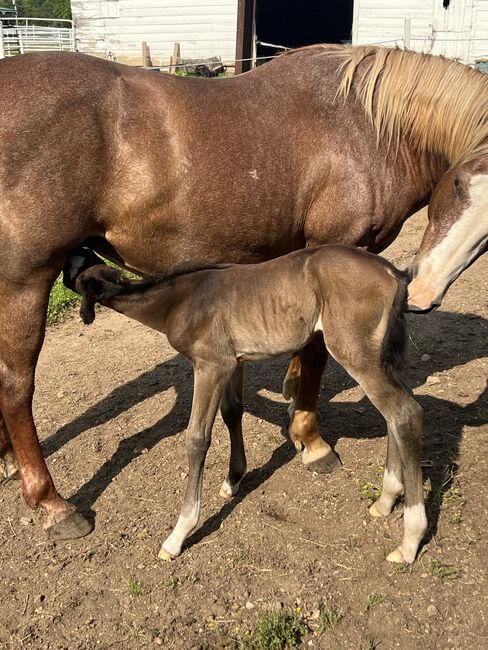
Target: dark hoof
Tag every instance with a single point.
(73, 527)
(325, 465)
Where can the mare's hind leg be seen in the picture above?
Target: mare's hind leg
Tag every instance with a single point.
(291, 382)
(232, 410)
(24, 308)
(392, 480)
(318, 455)
(8, 463)
(210, 380)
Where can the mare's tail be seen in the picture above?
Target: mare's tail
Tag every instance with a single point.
(394, 345)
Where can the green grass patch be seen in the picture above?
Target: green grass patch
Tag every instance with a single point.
(60, 301)
(444, 572)
(274, 630)
(328, 617)
(373, 600)
(134, 588)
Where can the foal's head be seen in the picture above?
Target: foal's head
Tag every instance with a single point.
(97, 284)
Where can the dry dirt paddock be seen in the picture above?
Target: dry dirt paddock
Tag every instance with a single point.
(112, 404)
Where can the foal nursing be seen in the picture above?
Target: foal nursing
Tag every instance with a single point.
(220, 317)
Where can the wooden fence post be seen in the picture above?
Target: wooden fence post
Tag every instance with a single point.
(2, 42)
(175, 58)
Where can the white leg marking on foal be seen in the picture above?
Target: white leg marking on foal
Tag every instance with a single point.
(392, 488)
(414, 526)
(184, 526)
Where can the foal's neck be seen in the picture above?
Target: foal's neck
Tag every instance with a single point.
(152, 305)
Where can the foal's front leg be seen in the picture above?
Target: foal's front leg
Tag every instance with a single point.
(210, 380)
(232, 410)
(8, 462)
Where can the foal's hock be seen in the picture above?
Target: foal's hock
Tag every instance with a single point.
(221, 317)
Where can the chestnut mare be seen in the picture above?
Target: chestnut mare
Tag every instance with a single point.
(221, 317)
(324, 144)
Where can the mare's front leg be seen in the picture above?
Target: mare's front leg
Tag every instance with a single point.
(318, 455)
(8, 463)
(232, 410)
(24, 308)
(210, 380)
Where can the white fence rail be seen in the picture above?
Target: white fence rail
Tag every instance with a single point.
(23, 35)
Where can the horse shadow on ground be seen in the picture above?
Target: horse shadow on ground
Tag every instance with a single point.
(451, 340)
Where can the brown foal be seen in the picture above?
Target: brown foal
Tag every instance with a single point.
(221, 317)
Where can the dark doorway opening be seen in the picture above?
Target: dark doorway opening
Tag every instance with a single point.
(293, 23)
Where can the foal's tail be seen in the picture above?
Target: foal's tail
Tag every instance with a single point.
(394, 346)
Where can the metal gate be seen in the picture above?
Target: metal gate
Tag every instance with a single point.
(23, 35)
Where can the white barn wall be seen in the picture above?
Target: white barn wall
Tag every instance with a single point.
(202, 27)
(461, 31)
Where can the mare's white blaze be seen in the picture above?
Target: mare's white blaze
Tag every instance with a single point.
(462, 243)
(415, 525)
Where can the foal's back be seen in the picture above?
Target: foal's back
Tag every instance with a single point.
(276, 307)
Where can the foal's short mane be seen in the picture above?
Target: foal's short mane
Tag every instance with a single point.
(441, 104)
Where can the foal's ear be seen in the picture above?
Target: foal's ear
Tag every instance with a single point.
(87, 309)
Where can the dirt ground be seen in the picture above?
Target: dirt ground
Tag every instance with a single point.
(112, 404)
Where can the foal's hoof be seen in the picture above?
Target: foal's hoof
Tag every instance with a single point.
(396, 557)
(374, 512)
(164, 555)
(8, 467)
(227, 491)
(324, 465)
(73, 527)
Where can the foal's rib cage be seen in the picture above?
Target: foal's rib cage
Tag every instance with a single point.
(218, 318)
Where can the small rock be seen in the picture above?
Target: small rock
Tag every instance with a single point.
(315, 615)
(158, 640)
(432, 611)
(249, 605)
(425, 357)
(144, 450)
(60, 394)
(39, 599)
(25, 521)
(432, 380)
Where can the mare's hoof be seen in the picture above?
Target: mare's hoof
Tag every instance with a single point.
(73, 527)
(374, 512)
(396, 557)
(164, 555)
(325, 465)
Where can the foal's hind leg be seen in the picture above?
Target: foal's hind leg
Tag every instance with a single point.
(404, 419)
(232, 410)
(318, 455)
(22, 322)
(8, 463)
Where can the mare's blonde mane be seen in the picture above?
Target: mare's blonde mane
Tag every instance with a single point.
(441, 104)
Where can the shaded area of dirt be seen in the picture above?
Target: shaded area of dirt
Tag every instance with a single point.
(112, 404)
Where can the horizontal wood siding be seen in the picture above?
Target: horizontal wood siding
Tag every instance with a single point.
(202, 27)
(461, 31)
